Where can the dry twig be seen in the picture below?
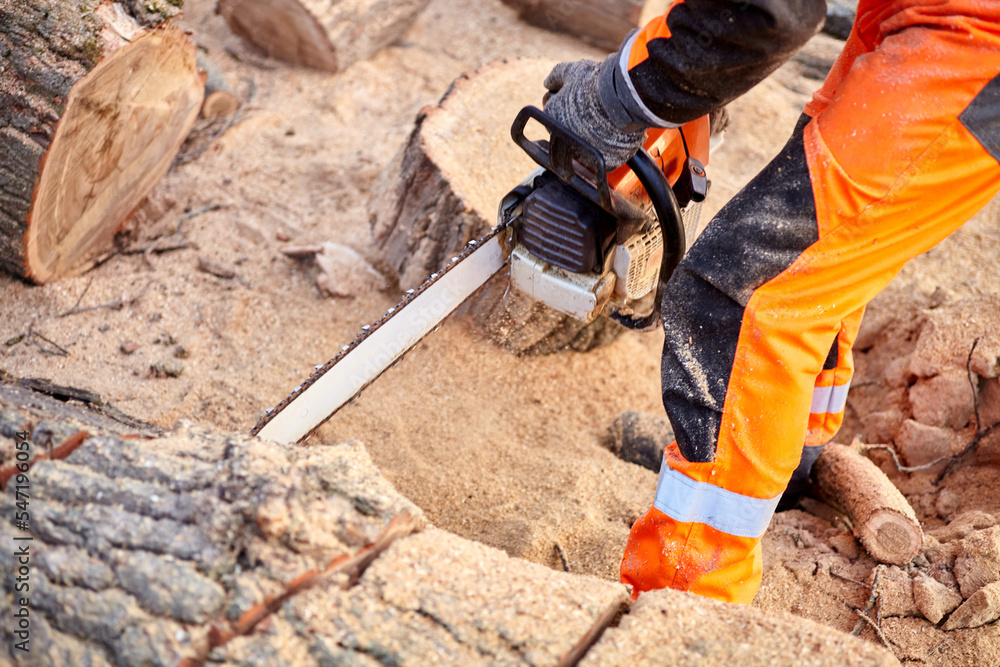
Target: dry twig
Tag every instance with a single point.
(562, 557)
(872, 599)
(79, 299)
(874, 626)
(834, 573)
(60, 350)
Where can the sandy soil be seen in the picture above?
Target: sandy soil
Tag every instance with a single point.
(503, 450)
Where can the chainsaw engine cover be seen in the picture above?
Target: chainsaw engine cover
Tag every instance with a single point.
(561, 227)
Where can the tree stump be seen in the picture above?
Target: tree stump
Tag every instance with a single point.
(444, 187)
(322, 34)
(94, 105)
(603, 24)
(884, 522)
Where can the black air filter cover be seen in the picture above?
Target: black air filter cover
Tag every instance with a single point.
(565, 229)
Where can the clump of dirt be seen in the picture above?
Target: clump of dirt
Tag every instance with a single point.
(498, 449)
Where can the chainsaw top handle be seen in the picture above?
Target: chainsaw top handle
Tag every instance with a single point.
(564, 148)
(558, 154)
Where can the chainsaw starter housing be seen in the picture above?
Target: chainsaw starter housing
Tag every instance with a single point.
(565, 229)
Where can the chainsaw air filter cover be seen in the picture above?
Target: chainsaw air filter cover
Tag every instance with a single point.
(637, 264)
(563, 228)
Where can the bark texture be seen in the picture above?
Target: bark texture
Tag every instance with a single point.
(95, 100)
(444, 187)
(603, 24)
(884, 522)
(195, 547)
(323, 34)
(145, 549)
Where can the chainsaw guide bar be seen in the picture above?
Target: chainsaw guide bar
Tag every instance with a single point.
(380, 345)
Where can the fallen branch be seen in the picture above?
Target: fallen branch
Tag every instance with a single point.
(838, 575)
(608, 618)
(883, 520)
(874, 626)
(354, 566)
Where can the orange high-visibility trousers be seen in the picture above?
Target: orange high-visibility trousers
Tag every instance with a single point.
(898, 149)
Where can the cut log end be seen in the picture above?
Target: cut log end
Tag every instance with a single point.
(884, 522)
(105, 127)
(890, 537)
(322, 34)
(220, 104)
(220, 100)
(283, 29)
(114, 143)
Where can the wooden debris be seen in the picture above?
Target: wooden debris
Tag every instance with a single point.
(97, 107)
(883, 521)
(611, 614)
(220, 100)
(345, 273)
(167, 368)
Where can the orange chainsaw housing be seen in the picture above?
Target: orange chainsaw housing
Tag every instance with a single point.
(667, 148)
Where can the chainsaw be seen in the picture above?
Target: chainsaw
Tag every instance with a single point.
(583, 241)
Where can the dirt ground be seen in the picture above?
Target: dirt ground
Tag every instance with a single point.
(506, 450)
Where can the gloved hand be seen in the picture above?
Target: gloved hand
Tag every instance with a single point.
(574, 101)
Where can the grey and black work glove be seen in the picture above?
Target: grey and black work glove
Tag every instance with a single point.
(574, 101)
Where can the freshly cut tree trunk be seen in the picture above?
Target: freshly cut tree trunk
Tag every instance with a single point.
(323, 34)
(884, 522)
(444, 188)
(603, 24)
(95, 100)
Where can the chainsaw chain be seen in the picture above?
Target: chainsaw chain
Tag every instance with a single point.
(367, 330)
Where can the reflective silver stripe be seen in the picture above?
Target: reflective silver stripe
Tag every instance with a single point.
(651, 118)
(830, 400)
(683, 499)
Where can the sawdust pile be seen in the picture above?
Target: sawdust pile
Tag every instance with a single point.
(509, 451)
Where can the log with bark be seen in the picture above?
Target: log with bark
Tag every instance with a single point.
(196, 547)
(883, 520)
(95, 100)
(443, 189)
(220, 100)
(322, 34)
(603, 24)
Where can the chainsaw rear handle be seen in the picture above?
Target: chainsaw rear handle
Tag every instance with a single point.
(564, 148)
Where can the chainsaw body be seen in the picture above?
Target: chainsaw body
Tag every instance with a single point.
(586, 242)
(578, 239)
